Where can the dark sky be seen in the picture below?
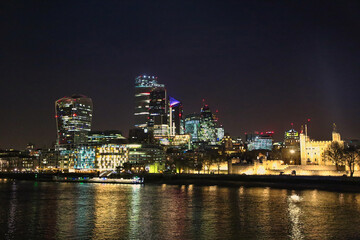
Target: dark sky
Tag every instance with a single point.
(263, 64)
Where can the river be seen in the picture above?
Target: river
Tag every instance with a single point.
(50, 210)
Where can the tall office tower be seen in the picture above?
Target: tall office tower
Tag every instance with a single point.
(158, 109)
(144, 85)
(175, 117)
(207, 132)
(73, 119)
(192, 126)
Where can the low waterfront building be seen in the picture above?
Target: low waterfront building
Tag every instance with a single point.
(48, 159)
(18, 161)
(149, 157)
(110, 157)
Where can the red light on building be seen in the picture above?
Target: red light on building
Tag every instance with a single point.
(308, 119)
(74, 115)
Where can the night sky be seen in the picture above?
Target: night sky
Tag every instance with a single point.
(262, 64)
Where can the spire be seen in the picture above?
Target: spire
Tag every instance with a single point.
(334, 127)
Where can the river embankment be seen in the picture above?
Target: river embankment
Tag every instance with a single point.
(328, 183)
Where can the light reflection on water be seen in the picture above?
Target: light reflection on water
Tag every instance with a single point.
(107, 211)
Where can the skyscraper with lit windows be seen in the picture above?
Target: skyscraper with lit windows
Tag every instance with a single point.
(175, 117)
(144, 85)
(73, 119)
(207, 131)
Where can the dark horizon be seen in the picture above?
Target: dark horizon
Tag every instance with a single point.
(263, 65)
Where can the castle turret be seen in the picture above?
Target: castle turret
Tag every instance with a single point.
(335, 135)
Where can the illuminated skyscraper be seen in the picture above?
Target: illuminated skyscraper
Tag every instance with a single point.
(158, 107)
(158, 113)
(208, 133)
(192, 126)
(73, 119)
(175, 117)
(144, 85)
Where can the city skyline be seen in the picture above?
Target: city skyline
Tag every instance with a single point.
(261, 75)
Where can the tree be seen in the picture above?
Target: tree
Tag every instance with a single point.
(208, 161)
(351, 157)
(219, 159)
(198, 163)
(181, 163)
(335, 153)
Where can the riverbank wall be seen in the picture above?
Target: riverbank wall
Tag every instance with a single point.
(329, 183)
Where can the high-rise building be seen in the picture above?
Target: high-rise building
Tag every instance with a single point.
(207, 132)
(144, 85)
(73, 119)
(158, 107)
(192, 126)
(175, 117)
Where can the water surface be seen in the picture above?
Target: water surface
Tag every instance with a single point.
(47, 210)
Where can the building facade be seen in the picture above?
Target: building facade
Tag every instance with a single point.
(144, 85)
(313, 152)
(73, 119)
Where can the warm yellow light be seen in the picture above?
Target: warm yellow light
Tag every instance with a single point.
(261, 170)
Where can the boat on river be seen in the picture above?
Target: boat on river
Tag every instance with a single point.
(134, 180)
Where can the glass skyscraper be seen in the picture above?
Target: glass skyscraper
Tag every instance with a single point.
(207, 131)
(176, 116)
(192, 126)
(144, 85)
(73, 119)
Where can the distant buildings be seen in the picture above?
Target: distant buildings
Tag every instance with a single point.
(204, 128)
(262, 141)
(73, 119)
(291, 147)
(107, 136)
